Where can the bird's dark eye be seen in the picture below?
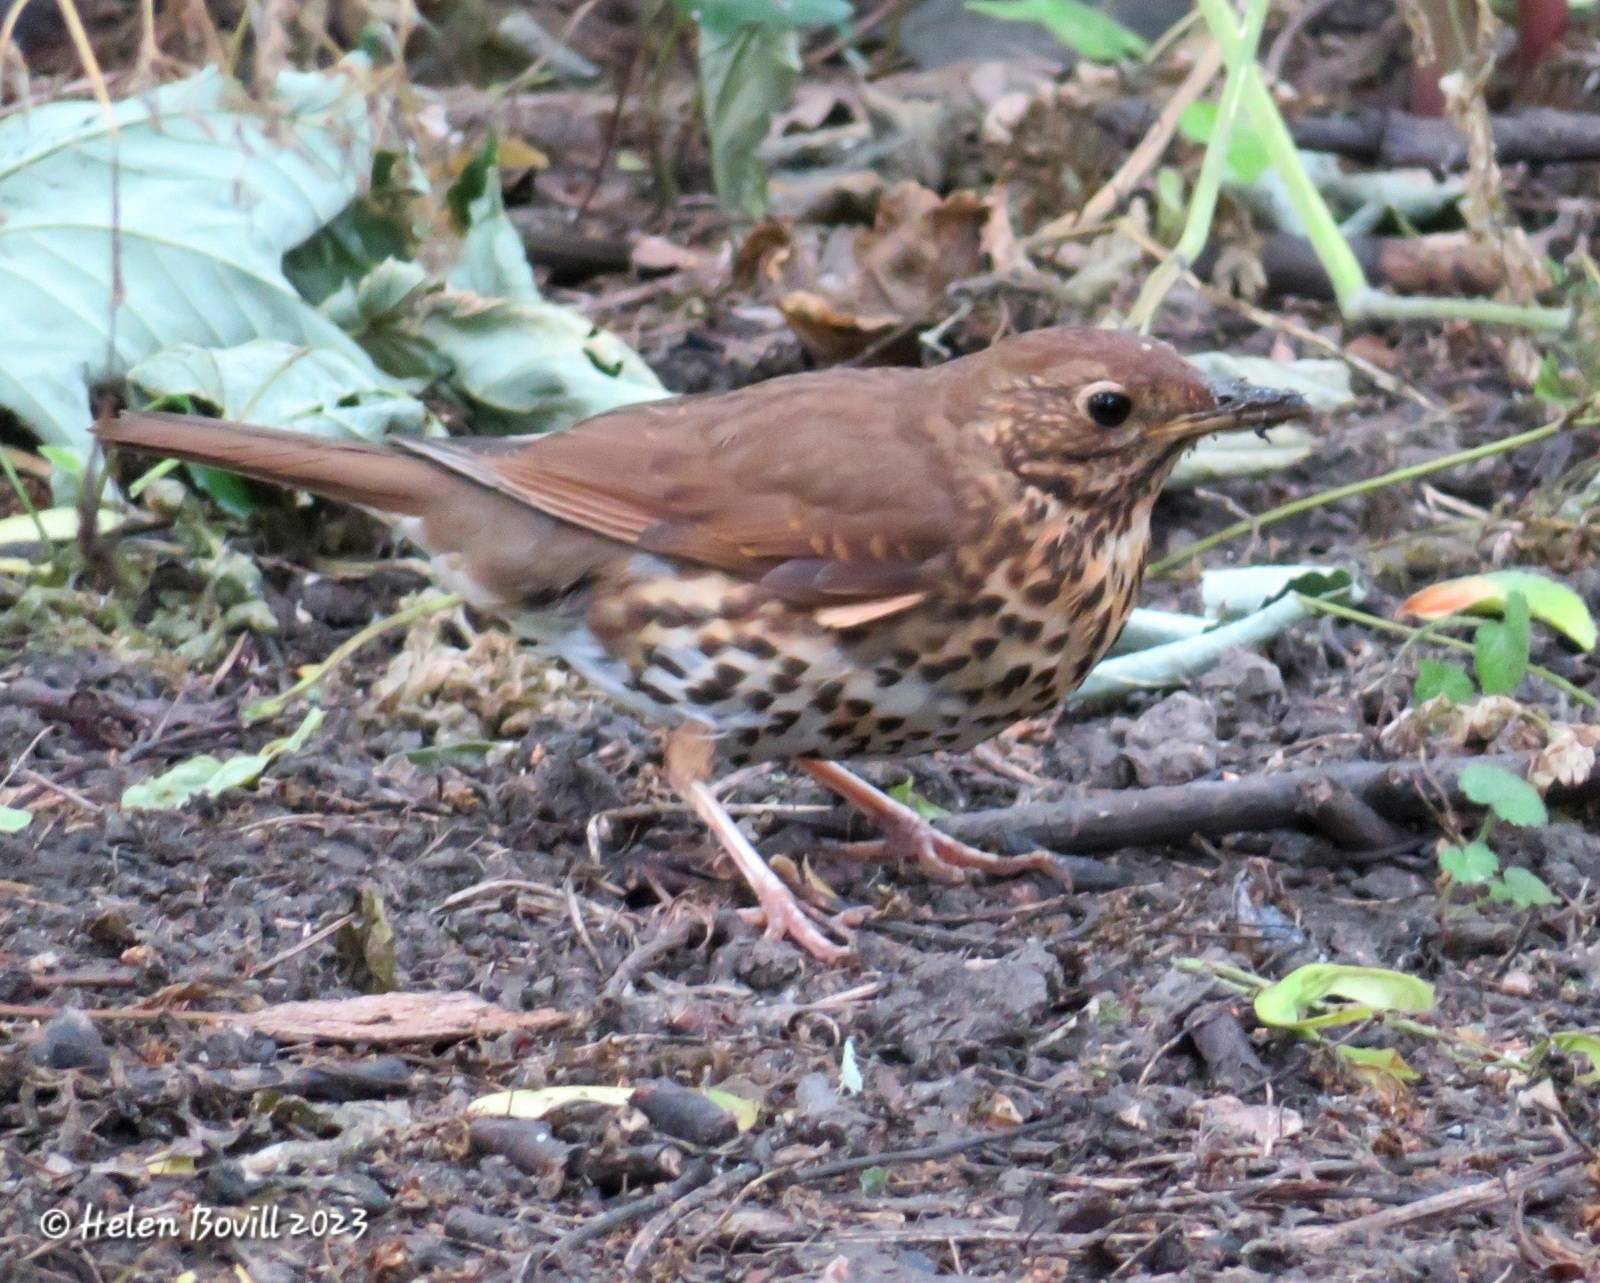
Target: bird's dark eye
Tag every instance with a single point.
(1110, 409)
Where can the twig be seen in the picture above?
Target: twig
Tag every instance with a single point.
(644, 1242)
(300, 946)
(1174, 813)
(1324, 497)
(1477, 1197)
(1140, 160)
(694, 1176)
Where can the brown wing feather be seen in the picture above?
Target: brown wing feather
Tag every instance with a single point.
(785, 482)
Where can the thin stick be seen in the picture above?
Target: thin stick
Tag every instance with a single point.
(1324, 497)
(1143, 157)
(1240, 56)
(271, 707)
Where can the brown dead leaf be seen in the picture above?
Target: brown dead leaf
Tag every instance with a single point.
(391, 1018)
(1264, 1125)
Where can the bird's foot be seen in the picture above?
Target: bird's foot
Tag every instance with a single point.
(908, 836)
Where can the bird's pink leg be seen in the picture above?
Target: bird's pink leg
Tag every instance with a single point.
(688, 761)
(908, 836)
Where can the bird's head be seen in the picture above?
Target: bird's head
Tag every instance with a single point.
(1086, 413)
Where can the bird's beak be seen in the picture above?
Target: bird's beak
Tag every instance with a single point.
(1239, 405)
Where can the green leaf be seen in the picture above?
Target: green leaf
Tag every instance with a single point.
(1523, 888)
(373, 227)
(1247, 154)
(492, 261)
(906, 794)
(1435, 679)
(205, 774)
(13, 820)
(1550, 602)
(1093, 34)
(1375, 1063)
(1500, 650)
(1582, 1043)
(746, 74)
(1471, 864)
(875, 1182)
(728, 14)
(1510, 796)
(1370, 989)
(172, 231)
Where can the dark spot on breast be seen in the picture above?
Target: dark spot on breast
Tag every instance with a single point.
(857, 746)
(1080, 670)
(1041, 592)
(654, 692)
(952, 719)
(903, 658)
(728, 675)
(937, 669)
(761, 701)
(839, 730)
(783, 723)
(853, 636)
(792, 667)
(858, 707)
(784, 685)
(1013, 680)
(667, 664)
(985, 646)
(994, 719)
(1102, 635)
(1055, 645)
(760, 647)
(750, 736)
(948, 737)
(989, 604)
(827, 697)
(738, 759)
(1029, 629)
(1092, 599)
(888, 676)
(887, 725)
(976, 695)
(892, 746)
(669, 614)
(1044, 677)
(711, 647)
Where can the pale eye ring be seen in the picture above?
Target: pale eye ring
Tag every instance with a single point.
(1106, 403)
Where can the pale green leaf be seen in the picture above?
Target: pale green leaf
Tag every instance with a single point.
(1524, 888)
(1371, 990)
(1510, 796)
(1089, 31)
(209, 192)
(13, 820)
(1549, 601)
(327, 392)
(1500, 650)
(60, 525)
(1435, 679)
(1247, 154)
(1375, 1062)
(747, 73)
(1469, 865)
(1583, 1043)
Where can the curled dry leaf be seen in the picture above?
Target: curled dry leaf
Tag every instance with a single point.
(854, 288)
(1568, 756)
(1262, 1124)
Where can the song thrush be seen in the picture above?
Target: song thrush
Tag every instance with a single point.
(849, 563)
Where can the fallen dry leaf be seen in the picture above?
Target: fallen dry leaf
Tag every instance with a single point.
(397, 1017)
(1262, 1124)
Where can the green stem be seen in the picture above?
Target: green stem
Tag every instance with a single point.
(1357, 300)
(1326, 607)
(1323, 497)
(275, 704)
(1241, 60)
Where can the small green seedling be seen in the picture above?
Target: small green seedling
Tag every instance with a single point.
(13, 820)
(1511, 800)
(1299, 1004)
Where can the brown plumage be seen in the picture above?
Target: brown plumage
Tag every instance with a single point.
(839, 564)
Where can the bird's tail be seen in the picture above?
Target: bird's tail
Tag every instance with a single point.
(356, 472)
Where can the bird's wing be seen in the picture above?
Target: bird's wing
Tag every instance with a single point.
(830, 489)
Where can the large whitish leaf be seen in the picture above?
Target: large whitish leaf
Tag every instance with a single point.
(538, 366)
(205, 190)
(323, 391)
